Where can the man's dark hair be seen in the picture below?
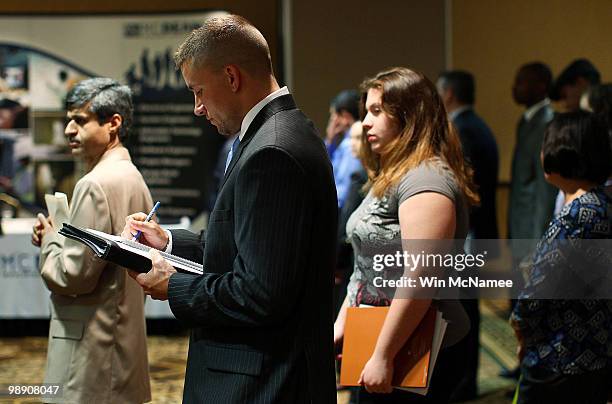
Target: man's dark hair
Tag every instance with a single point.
(578, 68)
(541, 73)
(577, 146)
(104, 98)
(347, 100)
(461, 84)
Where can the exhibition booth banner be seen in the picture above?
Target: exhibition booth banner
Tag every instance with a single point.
(22, 291)
(43, 56)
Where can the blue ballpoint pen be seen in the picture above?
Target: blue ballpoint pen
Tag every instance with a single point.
(149, 216)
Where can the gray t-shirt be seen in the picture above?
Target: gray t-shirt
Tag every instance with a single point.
(375, 225)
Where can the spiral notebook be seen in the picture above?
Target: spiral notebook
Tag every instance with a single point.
(126, 253)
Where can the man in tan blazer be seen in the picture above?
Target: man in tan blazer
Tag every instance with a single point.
(97, 340)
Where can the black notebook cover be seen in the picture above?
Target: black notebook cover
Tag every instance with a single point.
(125, 253)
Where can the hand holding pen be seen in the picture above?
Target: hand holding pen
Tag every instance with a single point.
(139, 226)
(147, 219)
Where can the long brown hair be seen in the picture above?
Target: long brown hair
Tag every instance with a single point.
(425, 132)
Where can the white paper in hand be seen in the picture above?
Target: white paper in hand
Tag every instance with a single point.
(57, 205)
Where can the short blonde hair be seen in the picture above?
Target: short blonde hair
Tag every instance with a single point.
(229, 39)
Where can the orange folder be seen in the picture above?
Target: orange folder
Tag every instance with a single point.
(361, 331)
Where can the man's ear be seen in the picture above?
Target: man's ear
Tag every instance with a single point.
(233, 77)
(115, 123)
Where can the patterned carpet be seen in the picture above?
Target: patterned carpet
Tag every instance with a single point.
(22, 360)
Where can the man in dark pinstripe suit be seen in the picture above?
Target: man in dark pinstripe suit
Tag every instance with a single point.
(261, 314)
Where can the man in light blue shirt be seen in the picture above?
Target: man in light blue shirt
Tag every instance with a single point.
(343, 112)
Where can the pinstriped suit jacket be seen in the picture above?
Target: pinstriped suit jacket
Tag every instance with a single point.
(261, 315)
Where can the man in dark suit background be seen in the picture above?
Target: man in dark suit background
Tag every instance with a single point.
(261, 314)
(531, 196)
(457, 89)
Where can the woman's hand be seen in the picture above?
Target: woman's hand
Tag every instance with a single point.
(377, 375)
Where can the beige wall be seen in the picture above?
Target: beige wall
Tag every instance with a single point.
(493, 38)
(337, 43)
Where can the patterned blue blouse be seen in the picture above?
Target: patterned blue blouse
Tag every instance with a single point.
(567, 336)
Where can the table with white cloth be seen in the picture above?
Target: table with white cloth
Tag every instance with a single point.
(23, 294)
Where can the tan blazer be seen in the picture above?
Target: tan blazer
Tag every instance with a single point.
(97, 338)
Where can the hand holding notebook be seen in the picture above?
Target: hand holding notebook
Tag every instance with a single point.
(414, 363)
(126, 253)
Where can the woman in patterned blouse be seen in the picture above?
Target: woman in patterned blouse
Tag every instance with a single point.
(565, 345)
